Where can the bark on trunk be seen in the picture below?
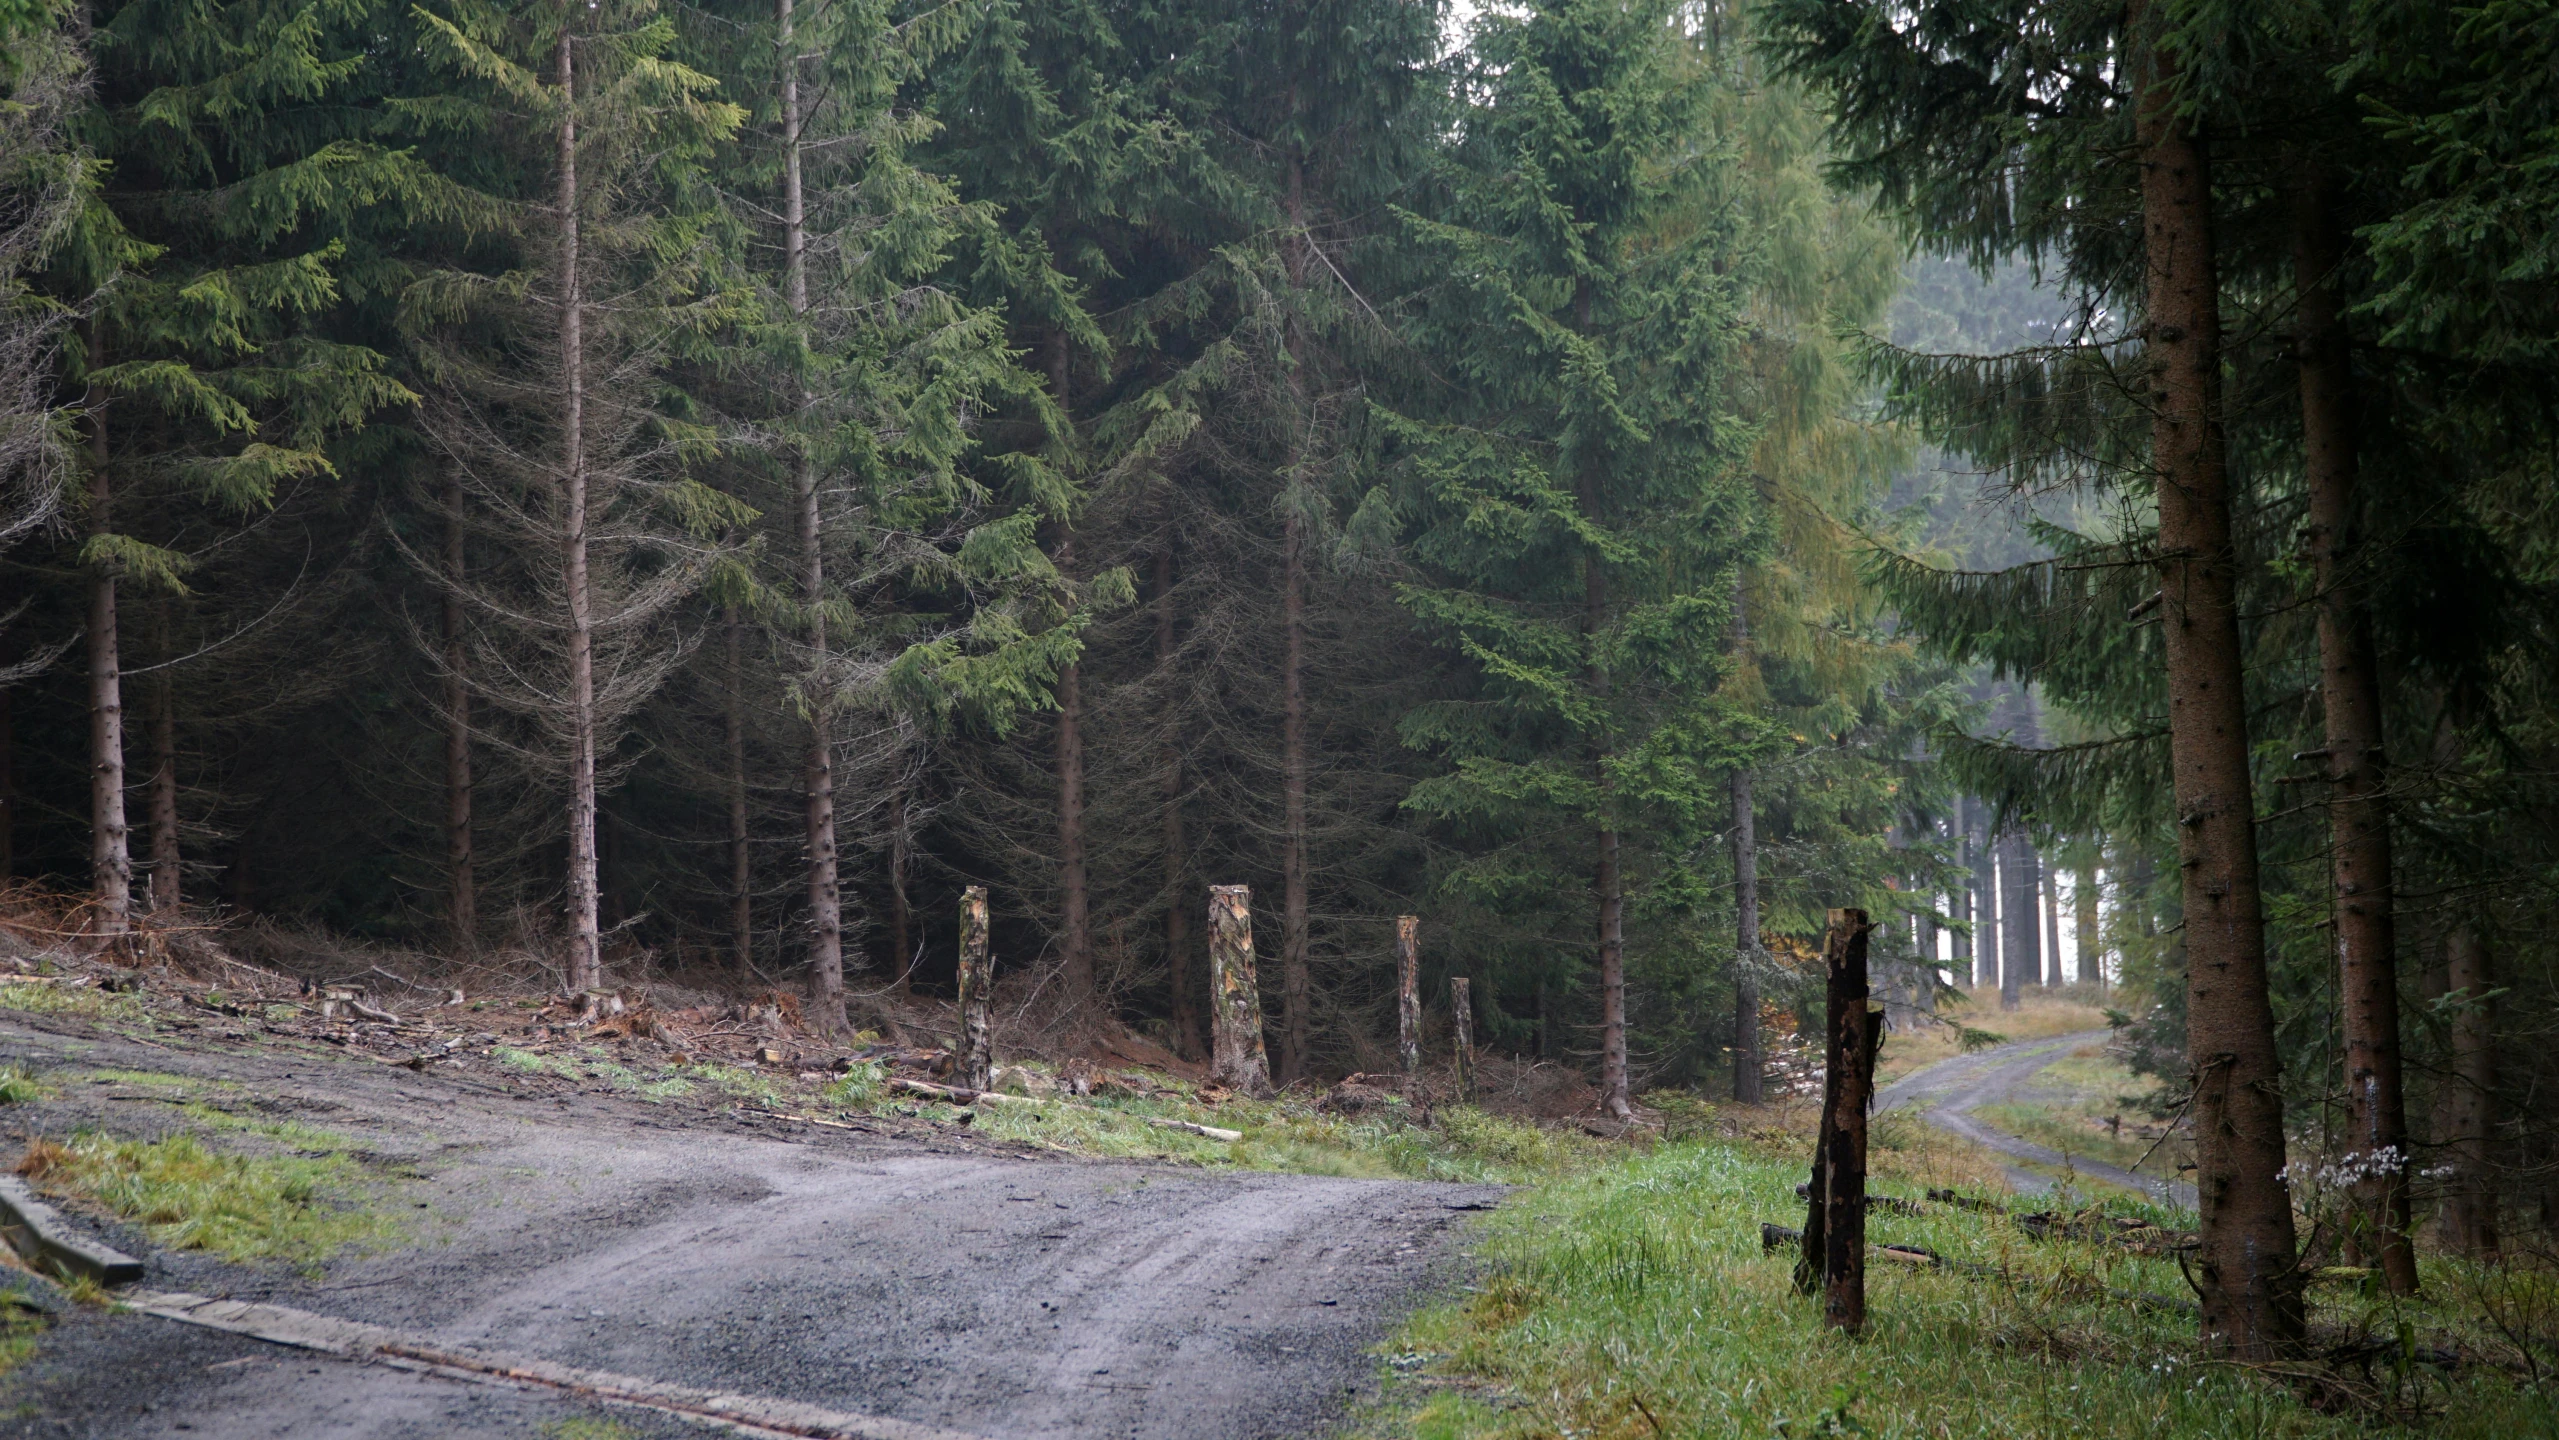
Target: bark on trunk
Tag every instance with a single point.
(461, 881)
(2246, 1273)
(1076, 962)
(826, 897)
(1294, 994)
(1834, 1257)
(1959, 905)
(1461, 1023)
(2092, 942)
(1607, 884)
(586, 959)
(165, 885)
(1748, 1062)
(2467, 1123)
(2050, 879)
(2350, 704)
(8, 793)
(1408, 994)
(741, 855)
(1238, 1061)
(110, 853)
(1984, 901)
(976, 1067)
(1181, 960)
(901, 929)
(2020, 951)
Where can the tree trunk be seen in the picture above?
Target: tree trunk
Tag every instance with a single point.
(1294, 996)
(741, 855)
(2252, 1307)
(2050, 877)
(1408, 994)
(586, 959)
(165, 884)
(2092, 942)
(1984, 901)
(901, 928)
(2020, 951)
(1834, 1256)
(110, 855)
(826, 897)
(1180, 960)
(1748, 1063)
(8, 793)
(1461, 1024)
(1238, 1061)
(1959, 905)
(976, 1059)
(2466, 1111)
(1076, 969)
(462, 888)
(2350, 704)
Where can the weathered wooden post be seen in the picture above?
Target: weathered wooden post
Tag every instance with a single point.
(1461, 1012)
(1408, 993)
(1834, 1260)
(1237, 1060)
(975, 1064)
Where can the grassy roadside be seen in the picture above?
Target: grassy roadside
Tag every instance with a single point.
(1634, 1300)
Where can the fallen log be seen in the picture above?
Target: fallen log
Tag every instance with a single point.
(960, 1095)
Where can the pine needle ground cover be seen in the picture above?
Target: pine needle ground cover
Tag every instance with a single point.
(1636, 1301)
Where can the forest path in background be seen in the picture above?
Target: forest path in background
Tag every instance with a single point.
(1948, 1092)
(951, 1285)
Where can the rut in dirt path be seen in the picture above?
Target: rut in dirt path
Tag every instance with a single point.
(1949, 1091)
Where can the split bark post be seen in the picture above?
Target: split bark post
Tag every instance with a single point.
(1834, 1259)
(1461, 1010)
(1238, 1061)
(2467, 1109)
(976, 1067)
(1408, 993)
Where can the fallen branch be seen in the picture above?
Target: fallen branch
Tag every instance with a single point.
(958, 1095)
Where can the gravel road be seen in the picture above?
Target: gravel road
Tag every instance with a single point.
(1948, 1092)
(941, 1282)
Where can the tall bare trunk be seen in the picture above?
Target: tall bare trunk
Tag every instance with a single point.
(901, 922)
(1959, 905)
(586, 959)
(2020, 952)
(2350, 704)
(2050, 877)
(2252, 1307)
(1181, 963)
(462, 889)
(1294, 996)
(1076, 969)
(2467, 1115)
(741, 855)
(110, 855)
(2092, 944)
(1608, 888)
(165, 885)
(1748, 1064)
(1983, 901)
(826, 899)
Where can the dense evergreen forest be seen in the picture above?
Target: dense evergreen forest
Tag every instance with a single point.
(640, 490)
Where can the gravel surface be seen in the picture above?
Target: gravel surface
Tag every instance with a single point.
(928, 1277)
(1949, 1091)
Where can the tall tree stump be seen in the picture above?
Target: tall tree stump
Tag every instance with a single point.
(1237, 1058)
(1408, 993)
(1461, 1011)
(1834, 1260)
(975, 1069)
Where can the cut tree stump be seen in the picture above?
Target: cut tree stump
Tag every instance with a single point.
(1408, 993)
(975, 1063)
(1238, 1061)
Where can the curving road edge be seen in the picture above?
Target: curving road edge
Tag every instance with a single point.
(1947, 1093)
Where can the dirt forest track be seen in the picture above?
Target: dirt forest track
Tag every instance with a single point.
(923, 1276)
(1947, 1093)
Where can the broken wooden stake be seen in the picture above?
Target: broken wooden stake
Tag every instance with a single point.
(1238, 1061)
(1462, 1019)
(1408, 993)
(975, 1063)
(1834, 1259)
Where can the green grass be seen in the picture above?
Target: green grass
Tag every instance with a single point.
(300, 1207)
(84, 1001)
(1634, 1301)
(18, 1087)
